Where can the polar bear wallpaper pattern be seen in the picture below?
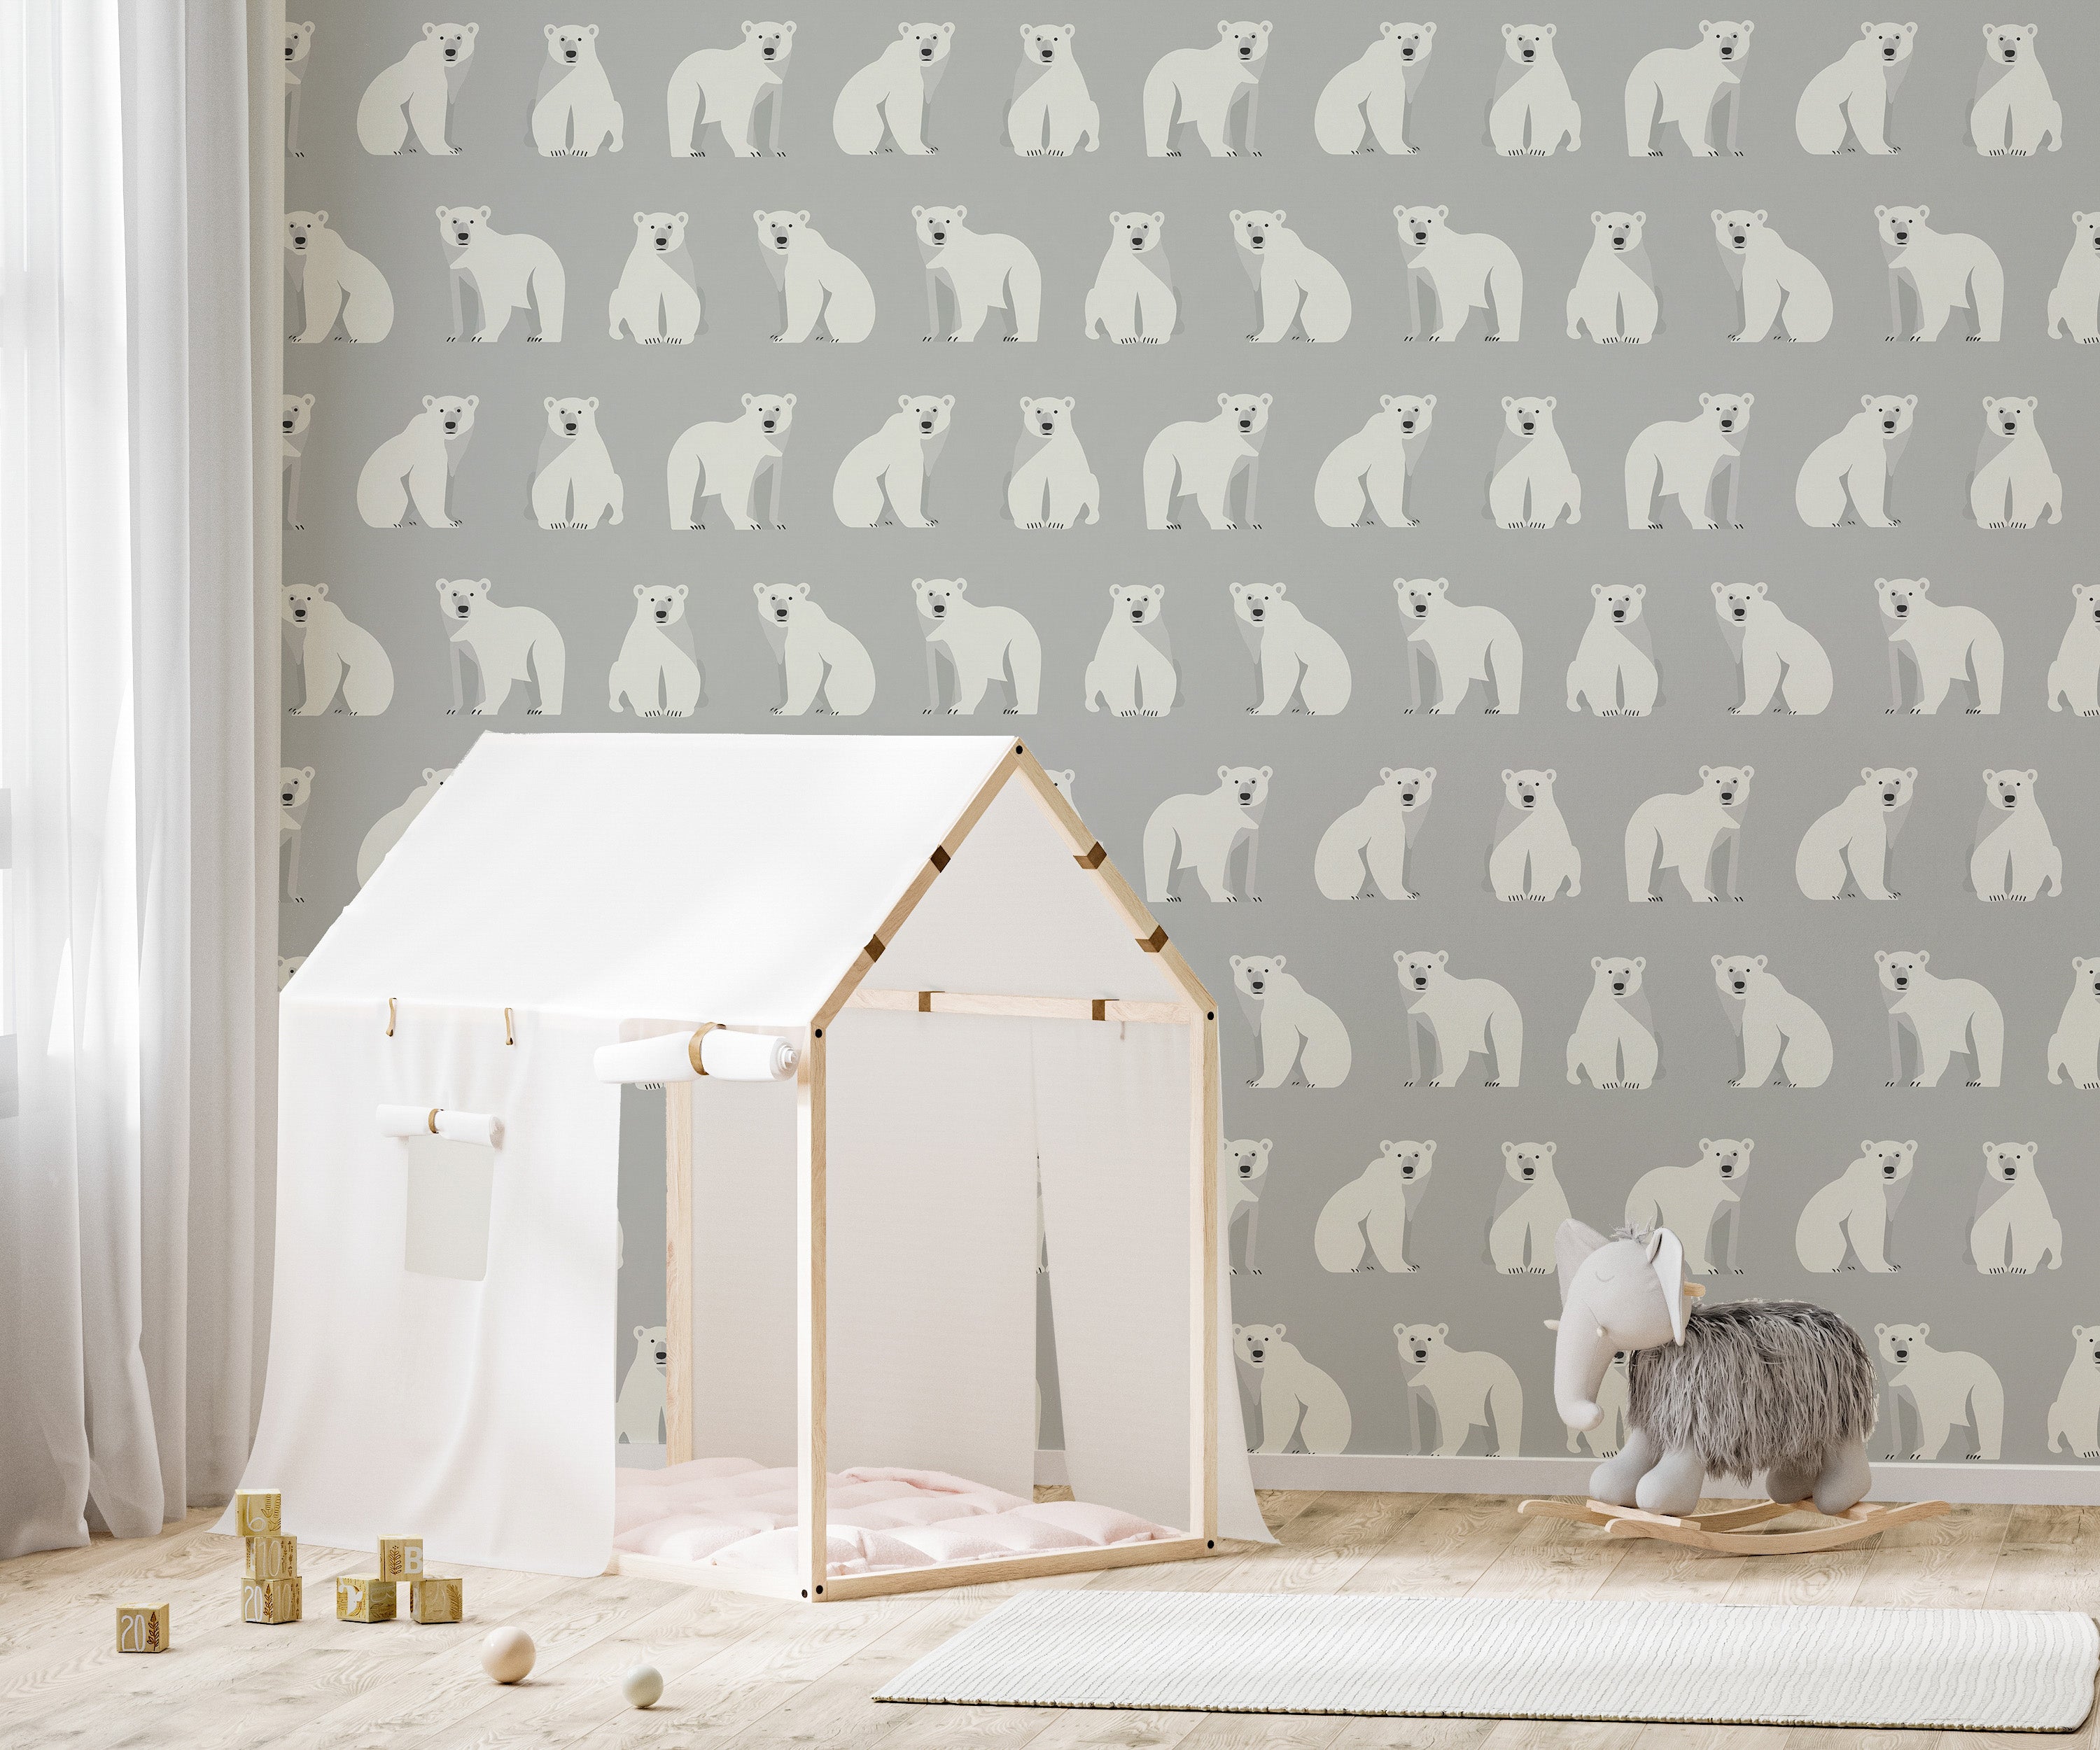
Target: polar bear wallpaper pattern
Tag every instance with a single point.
(1215, 569)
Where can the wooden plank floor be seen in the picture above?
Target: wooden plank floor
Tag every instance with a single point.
(748, 1672)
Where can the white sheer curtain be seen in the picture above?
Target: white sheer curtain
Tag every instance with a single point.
(138, 713)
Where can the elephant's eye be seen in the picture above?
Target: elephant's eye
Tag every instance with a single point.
(1606, 1276)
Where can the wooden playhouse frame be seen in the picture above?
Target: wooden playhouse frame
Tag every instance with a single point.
(1196, 1011)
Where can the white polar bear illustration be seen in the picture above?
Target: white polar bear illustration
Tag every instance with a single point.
(575, 114)
(1852, 94)
(1943, 1389)
(2074, 1418)
(1294, 658)
(658, 298)
(1370, 96)
(1200, 830)
(506, 646)
(332, 279)
(723, 460)
(1132, 298)
(2015, 486)
(1462, 1016)
(1534, 481)
(1614, 1043)
(1766, 1014)
(1692, 1201)
(1944, 645)
(823, 667)
(1373, 466)
(506, 270)
(1299, 1402)
(891, 466)
(576, 484)
(816, 282)
(2017, 1229)
(418, 90)
(984, 270)
(1464, 1387)
(1850, 1216)
(1945, 269)
(2074, 1048)
(1298, 1033)
(1133, 672)
(1852, 841)
(725, 87)
(1686, 86)
(293, 423)
(1533, 110)
(332, 654)
(1372, 837)
(1943, 1016)
(417, 463)
(639, 1417)
(1773, 283)
(1366, 1219)
(1532, 1208)
(1853, 468)
(1614, 293)
(298, 46)
(656, 672)
(1464, 269)
(1051, 111)
(1685, 458)
(287, 965)
(386, 831)
(1766, 644)
(1053, 484)
(980, 645)
(1614, 667)
(2014, 112)
(2074, 677)
(2074, 302)
(1203, 86)
(1246, 1166)
(1295, 286)
(1684, 831)
(1203, 458)
(2014, 853)
(295, 790)
(1533, 851)
(889, 95)
(1463, 645)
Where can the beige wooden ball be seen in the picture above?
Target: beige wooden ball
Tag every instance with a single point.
(507, 1655)
(643, 1686)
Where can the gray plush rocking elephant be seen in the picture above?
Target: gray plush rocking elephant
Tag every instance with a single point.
(1776, 1389)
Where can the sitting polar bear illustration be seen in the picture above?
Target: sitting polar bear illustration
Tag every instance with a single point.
(1203, 459)
(332, 654)
(1853, 470)
(2074, 1048)
(2074, 302)
(1682, 831)
(1298, 1033)
(576, 115)
(1614, 294)
(1853, 841)
(1051, 484)
(507, 647)
(1132, 297)
(1529, 1208)
(656, 671)
(2074, 1418)
(2015, 1229)
(1370, 96)
(658, 298)
(1365, 1220)
(1533, 110)
(1373, 468)
(984, 270)
(1851, 97)
(723, 460)
(1373, 838)
(1533, 481)
(1198, 833)
(417, 91)
(417, 463)
(889, 95)
(2074, 677)
(1614, 667)
(1051, 111)
(1773, 284)
(505, 271)
(1133, 671)
(1945, 271)
(724, 88)
(330, 280)
(295, 790)
(1944, 644)
(1200, 88)
(1766, 644)
(1294, 658)
(823, 667)
(892, 465)
(1535, 854)
(1465, 1389)
(1295, 286)
(2014, 112)
(576, 484)
(1463, 268)
(1614, 1043)
(639, 1417)
(1297, 1401)
(1944, 1016)
(293, 423)
(2016, 484)
(978, 645)
(1687, 87)
(385, 832)
(1693, 1201)
(1943, 1389)
(2014, 853)
(816, 282)
(1849, 1217)
(1765, 1015)
(1684, 459)
(1462, 644)
(1462, 1016)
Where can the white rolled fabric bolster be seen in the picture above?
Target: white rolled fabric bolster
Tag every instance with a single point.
(481, 1127)
(668, 1057)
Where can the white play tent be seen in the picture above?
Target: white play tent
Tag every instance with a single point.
(977, 1002)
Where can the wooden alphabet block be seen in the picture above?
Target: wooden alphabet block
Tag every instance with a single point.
(273, 1600)
(272, 1559)
(363, 1597)
(400, 1558)
(143, 1628)
(435, 1598)
(258, 1513)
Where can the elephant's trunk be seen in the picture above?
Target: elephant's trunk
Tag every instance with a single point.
(1580, 1353)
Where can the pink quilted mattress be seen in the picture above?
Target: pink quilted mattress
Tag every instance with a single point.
(732, 1513)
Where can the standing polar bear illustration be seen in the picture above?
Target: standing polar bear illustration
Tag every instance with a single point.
(1462, 1016)
(979, 646)
(1295, 286)
(418, 463)
(1684, 459)
(2014, 112)
(656, 672)
(816, 282)
(1051, 111)
(1133, 672)
(2014, 853)
(1683, 832)
(1369, 98)
(1946, 271)
(2013, 486)
(1766, 644)
(1533, 481)
(1203, 459)
(1854, 840)
(1944, 1016)
(1533, 110)
(823, 667)
(2074, 1418)
(1614, 294)
(724, 88)
(1297, 1401)
(505, 271)
(507, 646)
(1943, 1389)
(1853, 470)
(2074, 302)
(1693, 1201)
(889, 95)
(1535, 854)
(1051, 484)
(892, 465)
(1298, 1033)
(2074, 1048)
(576, 484)
(329, 279)
(2016, 1229)
(1614, 667)
(639, 1417)
(1373, 838)
(1374, 467)
(2074, 677)
(1199, 832)
(576, 115)
(332, 654)
(1614, 1043)
(984, 270)
(723, 460)
(1765, 1015)
(1773, 284)
(1294, 658)
(1463, 268)
(1530, 1206)
(417, 91)
(1465, 1388)
(1687, 87)
(1462, 644)
(1851, 97)
(1132, 297)
(1366, 1219)
(1850, 1216)
(1201, 88)
(1945, 645)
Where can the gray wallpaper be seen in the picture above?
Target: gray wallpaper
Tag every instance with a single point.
(1632, 350)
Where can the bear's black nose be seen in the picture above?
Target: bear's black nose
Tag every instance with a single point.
(1888, 424)
(926, 52)
(1246, 424)
(1046, 54)
(1618, 987)
(1407, 424)
(766, 424)
(925, 425)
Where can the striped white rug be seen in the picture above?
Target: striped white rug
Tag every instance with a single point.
(1725, 1665)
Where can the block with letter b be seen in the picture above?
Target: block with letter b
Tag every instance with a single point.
(274, 1601)
(272, 1559)
(143, 1628)
(400, 1558)
(435, 1598)
(363, 1597)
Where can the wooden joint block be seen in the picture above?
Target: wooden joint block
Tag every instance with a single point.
(940, 858)
(1101, 1008)
(273, 1600)
(925, 1003)
(400, 1558)
(436, 1598)
(1094, 857)
(272, 1559)
(874, 947)
(1155, 941)
(258, 1513)
(363, 1597)
(142, 1627)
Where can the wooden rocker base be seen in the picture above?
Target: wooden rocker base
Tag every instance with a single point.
(1725, 1533)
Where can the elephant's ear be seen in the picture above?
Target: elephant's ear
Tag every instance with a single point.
(1666, 1254)
(1572, 1247)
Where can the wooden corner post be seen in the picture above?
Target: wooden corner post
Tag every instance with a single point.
(1203, 1143)
(812, 1542)
(677, 1272)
